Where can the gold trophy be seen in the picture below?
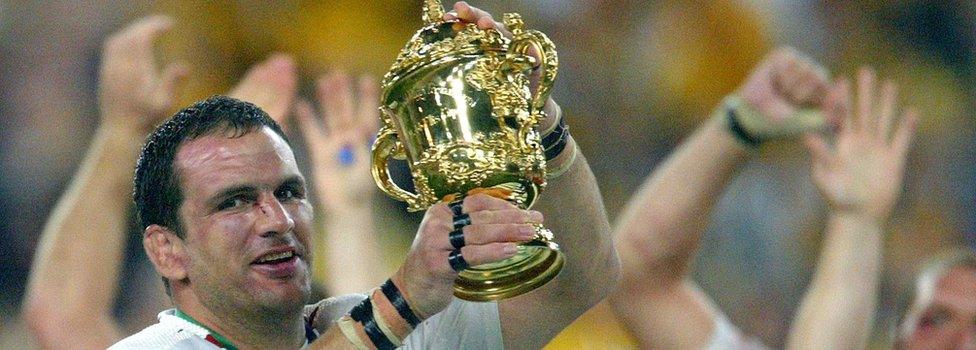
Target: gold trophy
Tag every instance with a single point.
(457, 106)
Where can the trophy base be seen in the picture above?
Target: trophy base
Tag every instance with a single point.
(537, 262)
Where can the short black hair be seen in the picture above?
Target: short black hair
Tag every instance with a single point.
(156, 192)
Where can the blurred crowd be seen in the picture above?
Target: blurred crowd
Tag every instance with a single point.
(635, 78)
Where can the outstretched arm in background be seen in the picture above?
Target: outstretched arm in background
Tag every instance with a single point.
(340, 156)
(75, 273)
(76, 270)
(662, 226)
(860, 177)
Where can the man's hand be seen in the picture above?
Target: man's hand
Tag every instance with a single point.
(784, 82)
(862, 172)
(496, 227)
(340, 149)
(271, 85)
(133, 94)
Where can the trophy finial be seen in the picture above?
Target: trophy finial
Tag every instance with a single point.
(433, 12)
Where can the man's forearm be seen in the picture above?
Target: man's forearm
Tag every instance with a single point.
(575, 213)
(662, 226)
(353, 260)
(839, 307)
(75, 272)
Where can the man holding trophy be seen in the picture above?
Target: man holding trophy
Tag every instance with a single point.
(227, 222)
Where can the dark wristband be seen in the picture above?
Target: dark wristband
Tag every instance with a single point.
(392, 293)
(363, 313)
(554, 143)
(738, 131)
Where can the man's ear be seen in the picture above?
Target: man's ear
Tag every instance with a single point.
(166, 251)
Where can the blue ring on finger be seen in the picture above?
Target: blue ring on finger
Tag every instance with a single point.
(460, 221)
(457, 261)
(457, 238)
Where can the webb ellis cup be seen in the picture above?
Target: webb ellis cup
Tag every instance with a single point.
(458, 107)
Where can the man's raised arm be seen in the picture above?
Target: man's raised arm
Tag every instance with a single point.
(662, 226)
(860, 177)
(75, 273)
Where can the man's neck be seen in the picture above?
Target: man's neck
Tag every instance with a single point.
(245, 329)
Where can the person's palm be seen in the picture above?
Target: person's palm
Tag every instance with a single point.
(340, 147)
(863, 170)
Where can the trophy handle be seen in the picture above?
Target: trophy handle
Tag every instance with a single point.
(521, 43)
(386, 145)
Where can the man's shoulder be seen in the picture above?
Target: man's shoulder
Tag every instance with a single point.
(169, 333)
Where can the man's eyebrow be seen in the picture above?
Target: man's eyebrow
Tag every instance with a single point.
(229, 192)
(294, 180)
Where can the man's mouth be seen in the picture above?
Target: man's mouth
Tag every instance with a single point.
(274, 258)
(277, 264)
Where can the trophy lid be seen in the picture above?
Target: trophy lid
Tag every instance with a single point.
(440, 41)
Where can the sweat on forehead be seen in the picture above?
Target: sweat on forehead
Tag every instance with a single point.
(217, 151)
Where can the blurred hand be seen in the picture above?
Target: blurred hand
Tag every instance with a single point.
(782, 83)
(496, 226)
(862, 172)
(132, 93)
(340, 147)
(271, 85)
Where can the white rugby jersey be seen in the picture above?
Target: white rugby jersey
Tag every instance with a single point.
(462, 325)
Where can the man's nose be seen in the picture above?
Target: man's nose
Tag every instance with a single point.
(275, 220)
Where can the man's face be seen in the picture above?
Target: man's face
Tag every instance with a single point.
(944, 315)
(247, 222)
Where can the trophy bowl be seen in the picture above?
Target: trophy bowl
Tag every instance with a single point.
(458, 106)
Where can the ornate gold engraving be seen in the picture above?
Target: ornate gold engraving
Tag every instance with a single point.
(458, 106)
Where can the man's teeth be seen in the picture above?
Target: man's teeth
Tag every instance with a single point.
(276, 256)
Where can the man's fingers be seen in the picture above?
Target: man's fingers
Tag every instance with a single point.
(818, 148)
(497, 233)
(865, 99)
(151, 27)
(336, 99)
(488, 253)
(837, 106)
(886, 114)
(173, 77)
(143, 31)
(487, 23)
(135, 42)
(369, 113)
(813, 86)
(506, 216)
(270, 84)
(311, 129)
(465, 12)
(904, 133)
(485, 201)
